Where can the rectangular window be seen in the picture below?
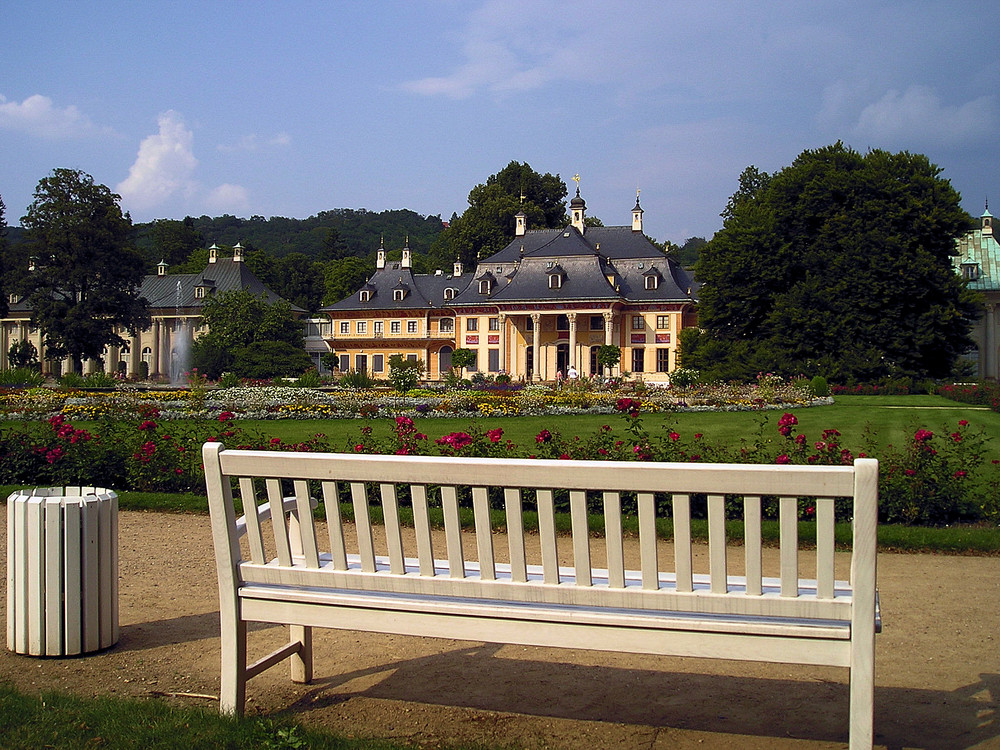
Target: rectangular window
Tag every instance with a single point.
(472, 324)
(663, 360)
(494, 360)
(529, 323)
(378, 363)
(345, 362)
(494, 324)
(378, 327)
(663, 322)
(395, 326)
(411, 357)
(638, 360)
(638, 323)
(361, 362)
(362, 326)
(411, 326)
(596, 322)
(447, 325)
(345, 327)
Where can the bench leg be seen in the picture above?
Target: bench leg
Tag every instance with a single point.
(863, 692)
(302, 662)
(233, 687)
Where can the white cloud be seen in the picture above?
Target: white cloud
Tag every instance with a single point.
(164, 166)
(918, 116)
(254, 143)
(228, 198)
(37, 115)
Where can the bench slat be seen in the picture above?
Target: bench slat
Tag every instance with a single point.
(581, 537)
(633, 596)
(279, 522)
(363, 526)
(717, 565)
(682, 541)
(647, 540)
(484, 531)
(547, 535)
(254, 537)
(393, 532)
(788, 522)
(453, 532)
(334, 525)
(613, 539)
(514, 509)
(307, 529)
(422, 527)
(752, 543)
(825, 546)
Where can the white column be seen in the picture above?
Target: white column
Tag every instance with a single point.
(502, 318)
(155, 369)
(572, 340)
(536, 356)
(990, 345)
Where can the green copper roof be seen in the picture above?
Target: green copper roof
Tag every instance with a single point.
(979, 251)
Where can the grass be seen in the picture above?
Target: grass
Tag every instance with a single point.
(65, 722)
(891, 418)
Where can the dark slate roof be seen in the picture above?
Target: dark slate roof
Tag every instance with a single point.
(604, 263)
(424, 290)
(225, 275)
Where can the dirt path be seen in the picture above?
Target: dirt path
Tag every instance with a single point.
(938, 668)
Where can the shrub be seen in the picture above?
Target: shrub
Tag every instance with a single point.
(356, 379)
(143, 370)
(818, 387)
(25, 376)
(684, 377)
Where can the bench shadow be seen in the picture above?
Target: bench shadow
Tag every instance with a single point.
(718, 703)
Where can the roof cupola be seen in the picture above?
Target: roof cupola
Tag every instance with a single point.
(637, 214)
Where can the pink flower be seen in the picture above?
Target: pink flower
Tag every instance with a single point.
(959, 474)
(783, 459)
(963, 423)
(674, 436)
(147, 425)
(564, 456)
(275, 440)
(910, 472)
(543, 437)
(226, 416)
(495, 435)
(922, 436)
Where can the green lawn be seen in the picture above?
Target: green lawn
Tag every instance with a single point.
(892, 418)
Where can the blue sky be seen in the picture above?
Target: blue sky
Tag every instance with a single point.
(291, 108)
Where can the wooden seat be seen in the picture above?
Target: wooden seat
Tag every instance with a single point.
(284, 573)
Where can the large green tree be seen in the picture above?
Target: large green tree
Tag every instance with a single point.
(78, 270)
(247, 334)
(487, 225)
(838, 265)
(173, 241)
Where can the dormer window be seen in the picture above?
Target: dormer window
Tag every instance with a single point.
(366, 295)
(13, 299)
(397, 295)
(652, 282)
(556, 276)
(651, 278)
(449, 293)
(199, 292)
(485, 287)
(970, 271)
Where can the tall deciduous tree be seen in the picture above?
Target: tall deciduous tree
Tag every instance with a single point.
(838, 265)
(84, 277)
(487, 225)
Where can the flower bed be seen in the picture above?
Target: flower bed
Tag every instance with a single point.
(276, 402)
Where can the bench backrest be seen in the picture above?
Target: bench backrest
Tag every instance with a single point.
(263, 480)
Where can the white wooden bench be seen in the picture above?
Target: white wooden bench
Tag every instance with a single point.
(283, 575)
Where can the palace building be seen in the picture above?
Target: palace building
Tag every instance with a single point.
(544, 304)
(175, 303)
(978, 261)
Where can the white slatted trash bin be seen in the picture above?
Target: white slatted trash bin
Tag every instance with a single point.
(62, 571)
